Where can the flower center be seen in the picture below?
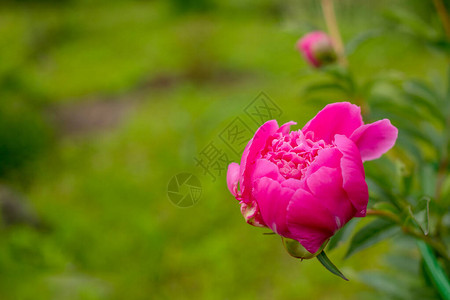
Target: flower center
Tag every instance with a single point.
(292, 153)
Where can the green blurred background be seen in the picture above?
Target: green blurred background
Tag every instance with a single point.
(103, 102)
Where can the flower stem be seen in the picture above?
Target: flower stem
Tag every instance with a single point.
(441, 174)
(439, 247)
(333, 29)
(443, 15)
(383, 213)
(443, 164)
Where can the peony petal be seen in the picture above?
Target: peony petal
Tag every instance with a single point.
(249, 206)
(251, 214)
(244, 163)
(309, 221)
(273, 200)
(307, 53)
(285, 128)
(353, 174)
(305, 45)
(266, 168)
(233, 178)
(336, 118)
(373, 140)
(251, 153)
(326, 185)
(293, 184)
(328, 157)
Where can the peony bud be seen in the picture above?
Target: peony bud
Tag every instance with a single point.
(295, 249)
(317, 49)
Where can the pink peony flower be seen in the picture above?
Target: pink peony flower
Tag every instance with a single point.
(306, 184)
(317, 49)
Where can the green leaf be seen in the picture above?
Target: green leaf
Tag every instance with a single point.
(421, 214)
(412, 24)
(360, 39)
(336, 71)
(379, 193)
(403, 177)
(417, 133)
(403, 262)
(422, 91)
(325, 261)
(342, 235)
(436, 136)
(434, 270)
(380, 181)
(427, 179)
(397, 108)
(391, 287)
(422, 97)
(371, 234)
(445, 192)
(390, 78)
(341, 75)
(447, 94)
(321, 86)
(410, 148)
(384, 205)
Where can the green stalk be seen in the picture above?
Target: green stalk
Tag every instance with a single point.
(333, 30)
(434, 270)
(439, 247)
(443, 15)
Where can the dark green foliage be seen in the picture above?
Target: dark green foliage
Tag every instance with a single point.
(325, 261)
(370, 234)
(24, 137)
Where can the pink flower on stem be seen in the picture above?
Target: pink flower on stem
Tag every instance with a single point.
(317, 49)
(306, 184)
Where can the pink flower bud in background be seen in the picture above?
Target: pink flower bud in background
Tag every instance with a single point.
(307, 184)
(317, 48)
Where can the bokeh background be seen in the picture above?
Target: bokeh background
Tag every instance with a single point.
(103, 102)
